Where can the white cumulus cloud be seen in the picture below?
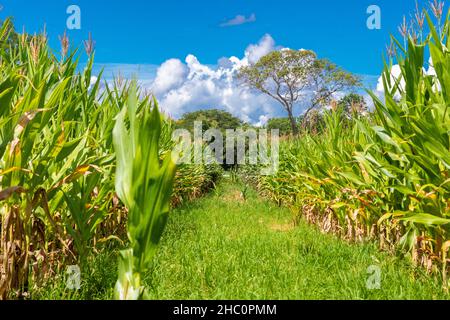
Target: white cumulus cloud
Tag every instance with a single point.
(255, 52)
(169, 75)
(199, 86)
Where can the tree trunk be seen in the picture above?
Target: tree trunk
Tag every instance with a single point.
(294, 126)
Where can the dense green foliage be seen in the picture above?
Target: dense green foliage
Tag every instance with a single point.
(214, 119)
(353, 105)
(282, 124)
(211, 119)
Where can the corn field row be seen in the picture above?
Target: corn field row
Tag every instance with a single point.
(385, 176)
(58, 199)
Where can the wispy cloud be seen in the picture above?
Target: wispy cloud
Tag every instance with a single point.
(238, 20)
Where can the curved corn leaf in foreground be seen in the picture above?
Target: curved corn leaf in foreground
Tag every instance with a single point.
(144, 184)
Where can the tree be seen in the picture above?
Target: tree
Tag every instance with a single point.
(353, 104)
(289, 75)
(326, 80)
(282, 124)
(282, 75)
(212, 118)
(314, 123)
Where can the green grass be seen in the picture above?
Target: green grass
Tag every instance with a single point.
(224, 247)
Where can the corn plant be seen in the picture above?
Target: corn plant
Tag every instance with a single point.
(386, 175)
(57, 163)
(416, 130)
(46, 145)
(144, 184)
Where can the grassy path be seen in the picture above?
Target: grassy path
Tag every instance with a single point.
(225, 247)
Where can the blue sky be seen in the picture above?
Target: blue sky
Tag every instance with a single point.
(186, 52)
(150, 32)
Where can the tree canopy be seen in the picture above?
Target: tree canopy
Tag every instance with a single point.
(282, 124)
(353, 104)
(212, 118)
(289, 76)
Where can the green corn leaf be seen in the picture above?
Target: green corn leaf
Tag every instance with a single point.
(144, 184)
(426, 218)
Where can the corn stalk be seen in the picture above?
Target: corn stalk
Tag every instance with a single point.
(144, 184)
